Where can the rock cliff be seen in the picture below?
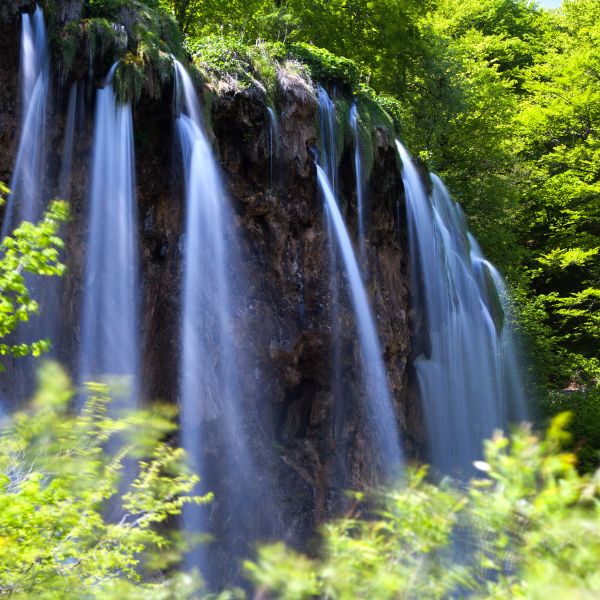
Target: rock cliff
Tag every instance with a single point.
(284, 327)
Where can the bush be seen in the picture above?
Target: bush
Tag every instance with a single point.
(83, 495)
(529, 526)
(326, 67)
(34, 249)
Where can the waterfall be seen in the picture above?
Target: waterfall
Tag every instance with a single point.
(328, 125)
(110, 346)
(360, 184)
(378, 402)
(64, 180)
(273, 141)
(328, 161)
(26, 200)
(212, 370)
(465, 366)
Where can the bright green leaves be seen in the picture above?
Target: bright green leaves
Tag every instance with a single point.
(528, 523)
(35, 249)
(559, 153)
(59, 472)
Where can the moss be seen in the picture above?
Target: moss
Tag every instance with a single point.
(343, 128)
(327, 67)
(229, 58)
(208, 101)
(129, 78)
(372, 115)
(139, 34)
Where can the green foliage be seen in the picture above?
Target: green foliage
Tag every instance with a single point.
(558, 149)
(529, 526)
(326, 67)
(374, 112)
(34, 249)
(142, 35)
(584, 427)
(60, 473)
(228, 59)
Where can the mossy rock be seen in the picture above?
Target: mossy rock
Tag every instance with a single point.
(326, 67)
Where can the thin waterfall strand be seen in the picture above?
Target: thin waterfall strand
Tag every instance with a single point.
(379, 400)
(110, 344)
(360, 184)
(273, 141)
(64, 180)
(26, 200)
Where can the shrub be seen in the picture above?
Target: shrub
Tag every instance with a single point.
(529, 525)
(83, 495)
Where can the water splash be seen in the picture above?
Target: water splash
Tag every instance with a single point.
(110, 346)
(26, 200)
(212, 411)
(465, 365)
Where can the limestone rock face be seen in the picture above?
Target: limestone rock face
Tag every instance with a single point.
(283, 327)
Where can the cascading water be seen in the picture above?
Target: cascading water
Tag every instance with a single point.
(465, 368)
(110, 327)
(378, 403)
(26, 200)
(64, 180)
(329, 162)
(212, 412)
(273, 141)
(360, 183)
(328, 158)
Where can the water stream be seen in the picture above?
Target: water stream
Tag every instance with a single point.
(27, 198)
(360, 183)
(110, 345)
(377, 399)
(274, 141)
(465, 363)
(213, 415)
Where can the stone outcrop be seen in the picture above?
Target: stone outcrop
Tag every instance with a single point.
(283, 327)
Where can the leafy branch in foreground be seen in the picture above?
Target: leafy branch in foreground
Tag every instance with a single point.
(32, 248)
(529, 528)
(83, 497)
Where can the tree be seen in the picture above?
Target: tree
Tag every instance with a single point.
(558, 150)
